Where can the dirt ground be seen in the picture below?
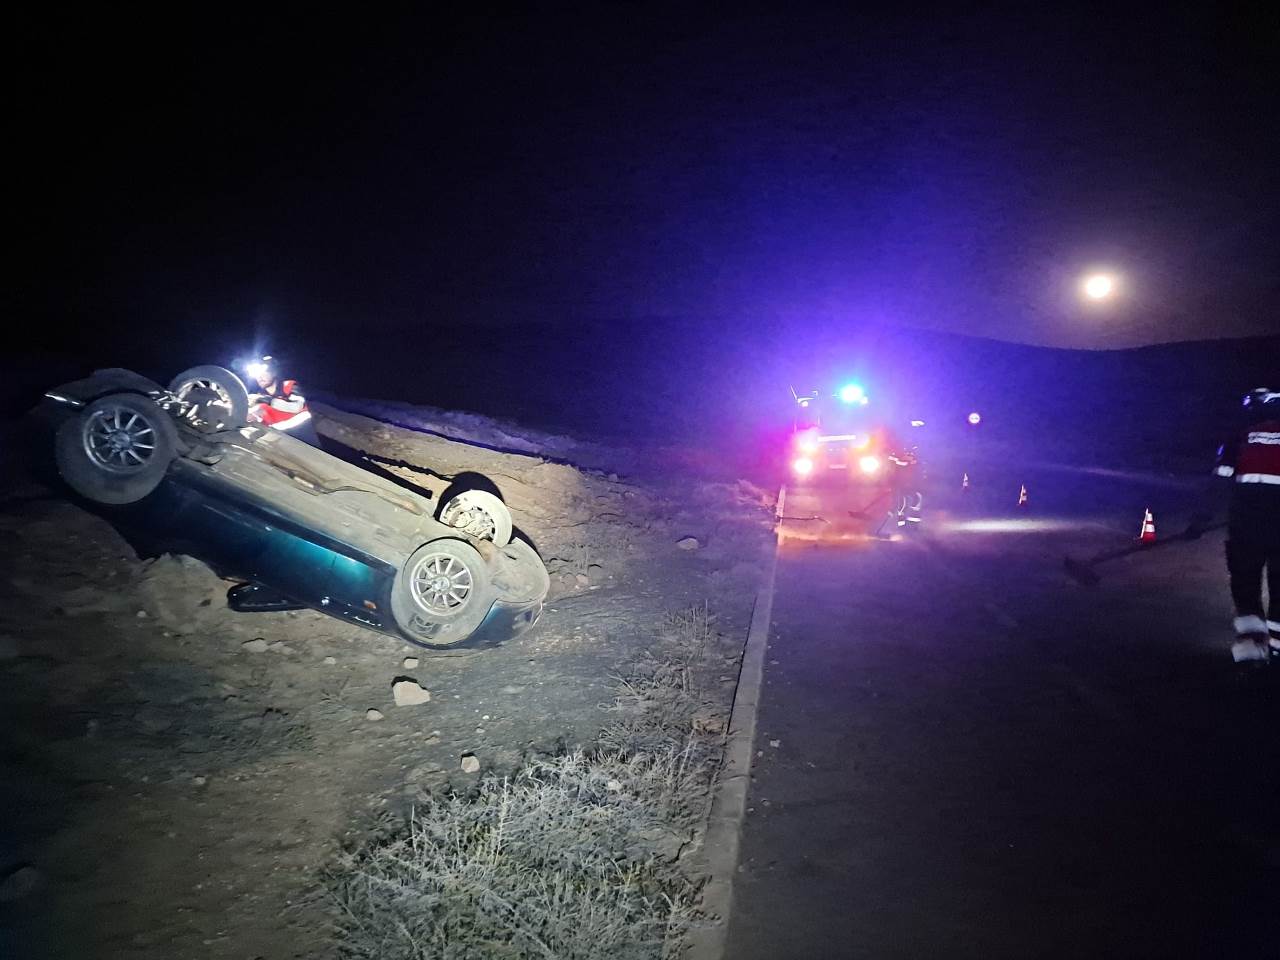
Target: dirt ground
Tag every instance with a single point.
(176, 777)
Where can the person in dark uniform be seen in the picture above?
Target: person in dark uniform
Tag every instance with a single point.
(907, 478)
(1251, 460)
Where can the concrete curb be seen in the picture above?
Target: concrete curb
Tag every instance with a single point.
(729, 806)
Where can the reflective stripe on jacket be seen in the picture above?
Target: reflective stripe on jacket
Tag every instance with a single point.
(1253, 456)
(287, 408)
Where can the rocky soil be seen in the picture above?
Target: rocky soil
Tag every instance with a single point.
(176, 778)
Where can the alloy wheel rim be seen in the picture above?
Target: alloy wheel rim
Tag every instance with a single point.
(119, 439)
(224, 398)
(442, 584)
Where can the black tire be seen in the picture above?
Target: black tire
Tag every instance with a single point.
(424, 617)
(117, 449)
(227, 398)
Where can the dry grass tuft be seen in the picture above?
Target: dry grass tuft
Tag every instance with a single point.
(575, 857)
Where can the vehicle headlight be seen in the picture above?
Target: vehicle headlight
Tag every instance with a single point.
(803, 466)
(869, 464)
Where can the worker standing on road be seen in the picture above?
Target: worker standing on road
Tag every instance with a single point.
(280, 404)
(906, 479)
(1252, 461)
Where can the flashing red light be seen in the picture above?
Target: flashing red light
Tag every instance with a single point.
(807, 441)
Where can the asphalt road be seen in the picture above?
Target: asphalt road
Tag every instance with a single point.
(964, 752)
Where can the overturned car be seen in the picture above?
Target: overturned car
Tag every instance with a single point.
(181, 467)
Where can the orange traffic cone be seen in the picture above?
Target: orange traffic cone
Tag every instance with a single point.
(1022, 496)
(1148, 534)
(964, 484)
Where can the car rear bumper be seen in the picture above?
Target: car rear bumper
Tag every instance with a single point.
(840, 475)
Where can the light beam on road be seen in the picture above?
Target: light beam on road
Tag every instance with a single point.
(1013, 525)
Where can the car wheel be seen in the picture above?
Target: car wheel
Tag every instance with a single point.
(117, 449)
(223, 398)
(442, 594)
(480, 514)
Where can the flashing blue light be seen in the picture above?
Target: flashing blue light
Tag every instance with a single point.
(852, 393)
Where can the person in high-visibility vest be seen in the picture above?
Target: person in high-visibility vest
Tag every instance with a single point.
(280, 404)
(906, 476)
(1251, 460)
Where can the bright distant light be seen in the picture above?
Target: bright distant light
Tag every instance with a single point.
(852, 393)
(975, 418)
(803, 466)
(917, 423)
(807, 442)
(1099, 286)
(255, 369)
(869, 464)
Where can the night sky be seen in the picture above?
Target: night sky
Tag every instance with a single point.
(573, 165)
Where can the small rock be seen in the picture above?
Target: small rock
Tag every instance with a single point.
(775, 744)
(408, 693)
(613, 786)
(19, 883)
(142, 614)
(256, 645)
(511, 690)
(688, 543)
(199, 781)
(330, 661)
(410, 663)
(582, 580)
(372, 714)
(470, 763)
